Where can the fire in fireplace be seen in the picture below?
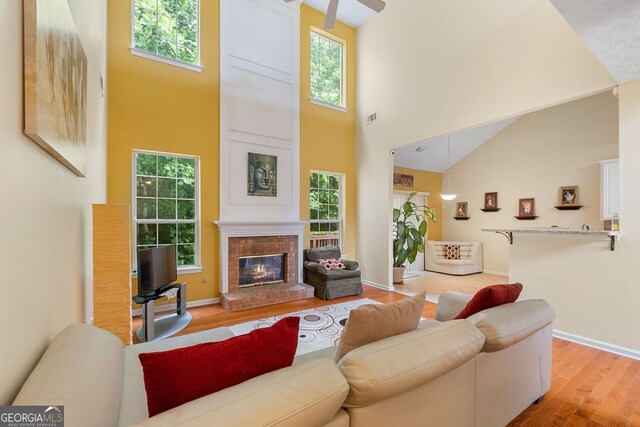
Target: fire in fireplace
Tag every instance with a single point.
(261, 269)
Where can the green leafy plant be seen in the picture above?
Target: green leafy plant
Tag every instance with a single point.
(408, 240)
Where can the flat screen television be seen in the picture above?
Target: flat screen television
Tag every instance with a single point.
(156, 268)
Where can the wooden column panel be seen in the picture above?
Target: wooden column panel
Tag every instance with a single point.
(112, 269)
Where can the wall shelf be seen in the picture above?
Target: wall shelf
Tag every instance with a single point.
(461, 218)
(566, 233)
(568, 208)
(526, 217)
(490, 210)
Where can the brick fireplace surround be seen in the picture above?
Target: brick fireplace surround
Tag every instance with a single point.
(255, 296)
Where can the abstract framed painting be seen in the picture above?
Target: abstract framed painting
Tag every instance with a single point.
(55, 83)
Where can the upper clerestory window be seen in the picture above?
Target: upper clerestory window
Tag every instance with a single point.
(327, 70)
(167, 30)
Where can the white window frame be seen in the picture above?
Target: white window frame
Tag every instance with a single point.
(340, 221)
(343, 70)
(182, 269)
(160, 58)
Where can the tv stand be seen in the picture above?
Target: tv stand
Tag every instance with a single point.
(164, 326)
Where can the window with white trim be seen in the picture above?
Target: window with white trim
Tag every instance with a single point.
(327, 70)
(167, 28)
(325, 197)
(166, 204)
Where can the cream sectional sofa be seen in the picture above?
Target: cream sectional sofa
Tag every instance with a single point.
(478, 372)
(470, 261)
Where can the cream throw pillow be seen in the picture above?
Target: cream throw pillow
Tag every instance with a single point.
(373, 322)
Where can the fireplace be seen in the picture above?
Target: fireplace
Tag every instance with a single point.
(246, 244)
(261, 269)
(273, 252)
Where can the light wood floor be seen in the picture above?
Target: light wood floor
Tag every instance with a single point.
(588, 387)
(437, 283)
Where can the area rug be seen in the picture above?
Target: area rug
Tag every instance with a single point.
(320, 327)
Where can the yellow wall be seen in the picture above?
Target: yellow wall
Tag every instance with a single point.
(160, 107)
(327, 136)
(428, 182)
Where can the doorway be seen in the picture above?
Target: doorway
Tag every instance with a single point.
(399, 198)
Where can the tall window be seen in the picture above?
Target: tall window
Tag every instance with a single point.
(166, 204)
(326, 209)
(327, 70)
(167, 28)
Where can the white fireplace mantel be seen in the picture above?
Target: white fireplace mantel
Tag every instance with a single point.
(255, 228)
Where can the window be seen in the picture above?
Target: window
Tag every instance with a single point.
(326, 209)
(168, 28)
(326, 70)
(166, 204)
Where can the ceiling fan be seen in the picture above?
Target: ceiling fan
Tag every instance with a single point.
(332, 10)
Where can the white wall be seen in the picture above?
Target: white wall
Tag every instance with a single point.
(431, 68)
(595, 291)
(533, 157)
(45, 232)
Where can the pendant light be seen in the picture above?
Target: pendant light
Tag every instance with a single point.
(447, 192)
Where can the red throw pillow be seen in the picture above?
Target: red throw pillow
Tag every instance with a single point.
(491, 296)
(174, 377)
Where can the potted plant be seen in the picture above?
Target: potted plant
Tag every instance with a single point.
(408, 240)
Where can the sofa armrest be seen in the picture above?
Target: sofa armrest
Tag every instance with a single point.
(450, 304)
(508, 324)
(82, 370)
(315, 267)
(307, 394)
(350, 265)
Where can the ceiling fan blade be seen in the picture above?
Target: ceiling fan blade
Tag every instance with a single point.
(376, 5)
(332, 11)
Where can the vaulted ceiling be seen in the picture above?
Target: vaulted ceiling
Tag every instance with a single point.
(610, 29)
(438, 154)
(350, 12)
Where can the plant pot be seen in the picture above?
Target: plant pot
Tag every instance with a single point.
(398, 273)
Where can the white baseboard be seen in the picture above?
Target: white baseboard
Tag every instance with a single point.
(609, 348)
(172, 306)
(497, 273)
(376, 285)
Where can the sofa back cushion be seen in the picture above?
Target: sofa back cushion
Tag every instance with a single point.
(325, 252)
(373, 322)
(81, 370)
(508, 324)
(392, 366)
(174, 377)
(490, 296)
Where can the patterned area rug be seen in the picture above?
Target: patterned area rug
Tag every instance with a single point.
(320, 327)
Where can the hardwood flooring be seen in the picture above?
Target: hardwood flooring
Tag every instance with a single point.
(589, 387)
(437, 283)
